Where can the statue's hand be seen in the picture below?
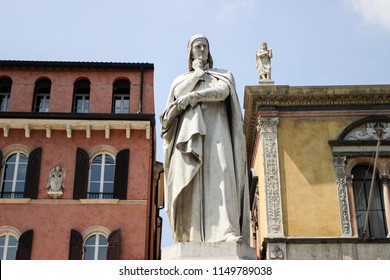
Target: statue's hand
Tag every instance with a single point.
(182, 102)
(197, 65)
(188, 99)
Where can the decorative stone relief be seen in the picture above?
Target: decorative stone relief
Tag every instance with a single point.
(268, 133)
(55, 183)
(276, 251)
(368, 131)
(341, 180)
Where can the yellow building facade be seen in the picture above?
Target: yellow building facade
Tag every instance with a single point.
(306, 147)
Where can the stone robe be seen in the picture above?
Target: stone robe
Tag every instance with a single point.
(206, 192)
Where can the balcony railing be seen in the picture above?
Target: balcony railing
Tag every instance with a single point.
(12, 194)
(99, 195)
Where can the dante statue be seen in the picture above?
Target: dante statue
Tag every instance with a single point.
(206, 192)
(263, 62)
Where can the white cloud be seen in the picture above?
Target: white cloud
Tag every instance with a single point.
(372, 11)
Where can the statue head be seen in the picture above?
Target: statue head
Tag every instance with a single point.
(190, 44)
(263, 45)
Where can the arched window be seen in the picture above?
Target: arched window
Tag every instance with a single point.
(42, 95)
(121, 97)
(5, 92)
(376, 223)
(101, 179)
(81, 92)
(95, 243)
(95, 247)
(14, 176)
(8, 246)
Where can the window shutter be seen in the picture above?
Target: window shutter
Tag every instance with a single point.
(80, 187)
(114, 245)
(32, 174)
(24, 245)
(75, 245)
(121, 174)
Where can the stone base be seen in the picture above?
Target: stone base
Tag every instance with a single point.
(208, 251)
(55, 194)
(266, 82)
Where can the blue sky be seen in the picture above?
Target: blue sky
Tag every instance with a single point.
(322, 42)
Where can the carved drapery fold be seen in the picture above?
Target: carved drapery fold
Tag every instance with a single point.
(268, 128)
(341, 181)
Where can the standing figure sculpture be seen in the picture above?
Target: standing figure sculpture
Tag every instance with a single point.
(263, 62)
(205, 153)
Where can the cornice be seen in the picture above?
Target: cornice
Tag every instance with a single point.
(74, 64)
(70, 122)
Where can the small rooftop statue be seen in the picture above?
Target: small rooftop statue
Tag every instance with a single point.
(263, 63)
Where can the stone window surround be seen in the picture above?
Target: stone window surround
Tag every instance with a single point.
(7, 152)
(10, 230)
(94, 230)
(357, 145)
(383, 171)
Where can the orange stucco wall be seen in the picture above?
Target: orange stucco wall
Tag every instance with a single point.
(61, 95)
(52, 224)
(52, 220)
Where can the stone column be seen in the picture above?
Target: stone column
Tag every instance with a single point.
(386, 198)
(341, 180)
(268, 127)
(351, 204)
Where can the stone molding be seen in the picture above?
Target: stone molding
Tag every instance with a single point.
(269, 144)
(341, 182)
(68, 126)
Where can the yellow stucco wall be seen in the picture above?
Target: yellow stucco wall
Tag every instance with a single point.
(308, 181)
(307, 176)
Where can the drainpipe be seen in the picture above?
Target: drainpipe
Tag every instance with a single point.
(141, 90)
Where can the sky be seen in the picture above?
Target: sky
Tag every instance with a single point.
(322, 42)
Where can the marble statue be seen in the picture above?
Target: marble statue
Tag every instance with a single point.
(206, 192)
(263, 62)
(55, 182)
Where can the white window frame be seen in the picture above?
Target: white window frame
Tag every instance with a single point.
(121, 109)
(46, 101)
(95, 230)
(4, 105)
(101, 180)
(15, 175)
(84, 98)
(9, 231)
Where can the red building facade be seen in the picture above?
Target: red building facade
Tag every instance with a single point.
(77, 158)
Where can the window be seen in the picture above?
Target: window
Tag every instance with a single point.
(81, 94)
(14, 245)
(19, 172)
(101, 182)
(5, 92)
(362, 145)
(100, 175)
(14, 176)
(42, 95)
(376, 222)
(121, 97)
(8, 247)
(95, 243)
(95, 247)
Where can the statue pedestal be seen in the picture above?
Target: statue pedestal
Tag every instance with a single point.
(208, 251)
(267, 82)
